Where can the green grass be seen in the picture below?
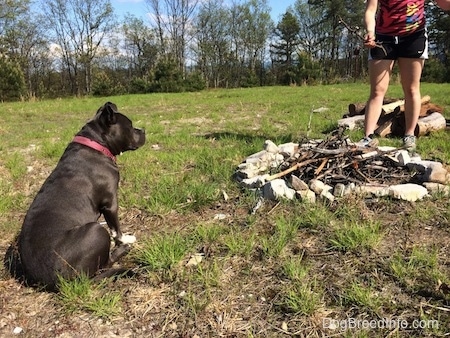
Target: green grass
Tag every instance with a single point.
(289, 262)
(302, 293)
(81, 294)
(419, 270)
(353, 235)
(363, 296)
(161, 252)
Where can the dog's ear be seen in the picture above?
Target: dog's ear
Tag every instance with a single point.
(106, 115)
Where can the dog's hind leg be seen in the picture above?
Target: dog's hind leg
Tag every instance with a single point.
(116, 255)
(119, 252)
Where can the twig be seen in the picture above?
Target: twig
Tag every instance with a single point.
(355, 32)
(446, 309)
(291, 169)
(309, 123)
(321, 166)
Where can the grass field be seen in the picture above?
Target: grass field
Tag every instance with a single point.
(352, 268)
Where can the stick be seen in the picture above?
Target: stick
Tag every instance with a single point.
(291, 169)
(319, 169)
(355, 32)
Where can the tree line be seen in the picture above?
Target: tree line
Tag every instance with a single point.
(56, 48)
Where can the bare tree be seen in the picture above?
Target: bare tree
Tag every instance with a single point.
(79, 27)
(140, 46)
(173, 21)
(212, 42)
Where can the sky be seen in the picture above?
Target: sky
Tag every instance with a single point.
(139, 7)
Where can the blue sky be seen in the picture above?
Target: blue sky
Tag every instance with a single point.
(139, 7)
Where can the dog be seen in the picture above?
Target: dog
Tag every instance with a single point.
(61, 235)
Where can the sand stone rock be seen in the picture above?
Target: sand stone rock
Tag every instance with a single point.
(437, 188)
(297, 184)
(306, 196)
(408, 192)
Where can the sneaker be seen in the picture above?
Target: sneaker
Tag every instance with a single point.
(409, 142)
(368, 142)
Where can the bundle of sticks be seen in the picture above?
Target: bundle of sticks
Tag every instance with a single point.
(337, 160)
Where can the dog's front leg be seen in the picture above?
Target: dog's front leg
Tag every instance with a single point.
(112, 219)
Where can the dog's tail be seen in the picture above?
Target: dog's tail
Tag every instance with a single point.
(12, 261)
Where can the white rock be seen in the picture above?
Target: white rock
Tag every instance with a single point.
(307, 196)
(195, 259)
(408, 192)
(349, 188)
(375, 190)
(277, 189)
(423, 166)
(249, 172)
(289, 148)
(316, 186)
(339, 190)
(275, 160)
(17, 330)
(271, 147)
(220, 217)
(431, 171)
(257, 157)
(433, 187)
(403, 157)
(326, 194)
(254, 182)
(437, 174)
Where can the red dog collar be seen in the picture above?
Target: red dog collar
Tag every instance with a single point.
(94, 145)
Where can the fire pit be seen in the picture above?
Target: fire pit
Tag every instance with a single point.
(331, 168)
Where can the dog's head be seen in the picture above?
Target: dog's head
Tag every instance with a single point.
(117, 130)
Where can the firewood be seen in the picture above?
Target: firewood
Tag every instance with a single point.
(352, 122)
(401, 108)
(390, 107)
(384, 124)
(384, 129)
(430, 123)
(356, 109)
(291, 169)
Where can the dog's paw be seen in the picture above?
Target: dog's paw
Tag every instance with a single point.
(127, 239)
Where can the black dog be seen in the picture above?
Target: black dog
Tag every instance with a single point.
(61, 235)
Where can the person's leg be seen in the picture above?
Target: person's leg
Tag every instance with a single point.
(411, 72)
(379, 71)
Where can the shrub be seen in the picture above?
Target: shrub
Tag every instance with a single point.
(12, 85)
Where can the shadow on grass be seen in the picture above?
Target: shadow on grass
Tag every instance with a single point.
(248, 138)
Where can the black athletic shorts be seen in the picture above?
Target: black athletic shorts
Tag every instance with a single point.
(413, 46)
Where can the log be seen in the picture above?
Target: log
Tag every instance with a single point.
(430, 123)
(356, 109)
(401, 108)
(390, 107)
(360, 108)
(384, 129)
(352, 122)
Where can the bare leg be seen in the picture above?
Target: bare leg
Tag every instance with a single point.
(380, 71)
(411, 72)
